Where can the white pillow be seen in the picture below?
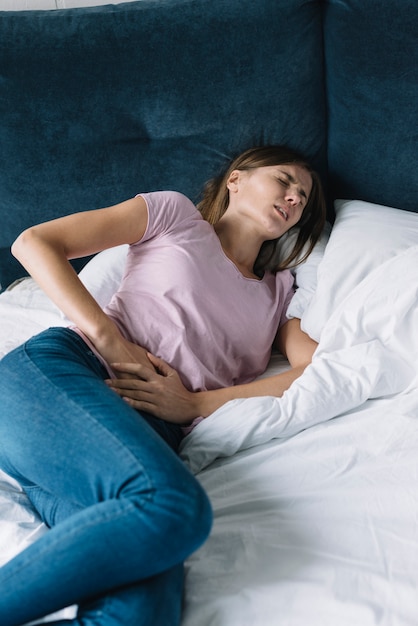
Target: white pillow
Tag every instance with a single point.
(363, 237)
(103, 274)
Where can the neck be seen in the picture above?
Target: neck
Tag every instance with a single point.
(239, 245)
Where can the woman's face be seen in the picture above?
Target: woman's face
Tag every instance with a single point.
(273, 197)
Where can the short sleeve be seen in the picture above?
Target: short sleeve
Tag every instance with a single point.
(289, 291)
(167, 211)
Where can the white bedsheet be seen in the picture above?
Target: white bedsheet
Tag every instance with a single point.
(368, 349)
(318, 529)
(316, 519)
(315, 495)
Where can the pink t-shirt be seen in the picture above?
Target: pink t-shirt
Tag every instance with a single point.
(183, 300)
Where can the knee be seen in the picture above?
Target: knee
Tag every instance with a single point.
(188, 514)
(200, 516)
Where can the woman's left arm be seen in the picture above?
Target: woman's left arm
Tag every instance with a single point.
(163, 394)
(295, 344)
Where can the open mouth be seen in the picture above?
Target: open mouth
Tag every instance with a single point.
(282, 212)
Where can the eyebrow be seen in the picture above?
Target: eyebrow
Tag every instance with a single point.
(293, 180)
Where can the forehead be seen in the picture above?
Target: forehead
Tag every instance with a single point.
(295, 174)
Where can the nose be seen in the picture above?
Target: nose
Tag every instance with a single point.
(293, 197)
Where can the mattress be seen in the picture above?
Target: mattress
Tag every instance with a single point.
(314, 494)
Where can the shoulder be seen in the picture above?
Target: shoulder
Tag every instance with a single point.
(168, 210)
(164, 200)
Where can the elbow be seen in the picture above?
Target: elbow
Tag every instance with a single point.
(27, 246)
(20, 246)
(301, 361)
(300, 367)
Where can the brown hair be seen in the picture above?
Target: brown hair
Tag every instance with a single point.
(215, 200)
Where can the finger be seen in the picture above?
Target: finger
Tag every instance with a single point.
(144, 405)
(136, 369)
(126, 383)
(135, 399)
(139, 405)
(160, 365)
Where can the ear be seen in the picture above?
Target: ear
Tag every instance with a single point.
(233, 181)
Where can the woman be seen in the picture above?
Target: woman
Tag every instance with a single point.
(202, 296)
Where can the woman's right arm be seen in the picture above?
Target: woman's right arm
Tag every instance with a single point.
(44, 250)
(162, 393)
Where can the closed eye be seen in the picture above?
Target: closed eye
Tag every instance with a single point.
(290, 179)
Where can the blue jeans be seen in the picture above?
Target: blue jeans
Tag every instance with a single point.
(123, 509)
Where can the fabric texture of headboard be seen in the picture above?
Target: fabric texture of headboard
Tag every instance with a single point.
(371, 52)
(99, 104)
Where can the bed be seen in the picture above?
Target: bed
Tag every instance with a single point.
(315, 494)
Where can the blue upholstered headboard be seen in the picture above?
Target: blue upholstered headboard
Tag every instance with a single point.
(98, 104)
(371, 61)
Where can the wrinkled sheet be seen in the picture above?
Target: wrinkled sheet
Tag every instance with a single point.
(368, 349)
(315, 495)
(318, 529)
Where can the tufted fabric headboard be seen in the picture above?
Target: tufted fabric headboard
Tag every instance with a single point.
(98, 104)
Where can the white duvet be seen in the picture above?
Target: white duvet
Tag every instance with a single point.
(315, 494)
(368, 349)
